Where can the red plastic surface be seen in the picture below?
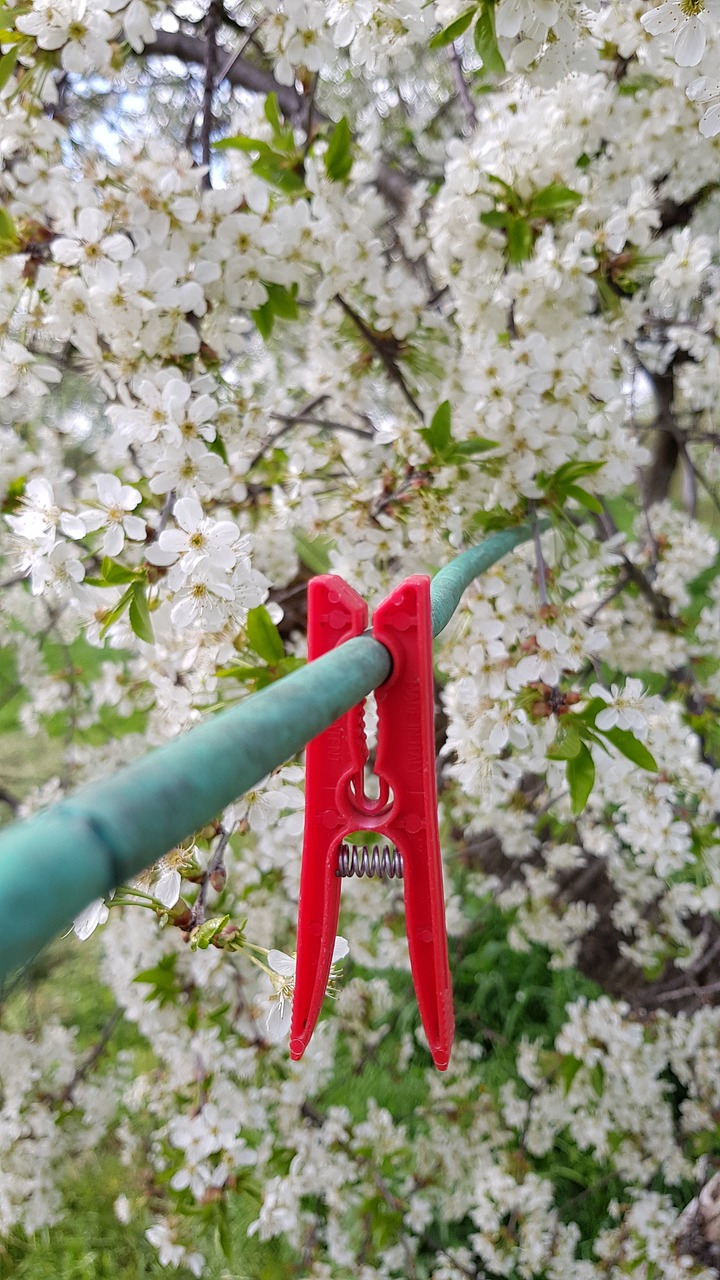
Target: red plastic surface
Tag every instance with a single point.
(405, 812)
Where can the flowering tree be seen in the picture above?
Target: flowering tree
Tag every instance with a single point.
(325, 284)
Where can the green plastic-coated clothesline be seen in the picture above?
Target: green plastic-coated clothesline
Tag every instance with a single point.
(54, 864)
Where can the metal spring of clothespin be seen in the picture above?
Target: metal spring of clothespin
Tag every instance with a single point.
(403, 811)
(362, 860)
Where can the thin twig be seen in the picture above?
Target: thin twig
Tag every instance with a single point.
(289, 421)
(664, 997)
(97, 1049)
(215, 863)
(225, 70)
(608, 599)
(539, 558)
(463, 91)
(325, 424)
(309, 117)
(694, 468)
(381, 350)
(165, 513)
(689, 483)
(211, 57)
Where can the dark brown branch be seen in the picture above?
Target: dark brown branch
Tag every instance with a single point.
(633, 573)
(390, 182)
(658, 477)
(243, 74)
(212, 22)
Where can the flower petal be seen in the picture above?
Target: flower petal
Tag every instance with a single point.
(690, 41)
(340, 950)
(282, 963)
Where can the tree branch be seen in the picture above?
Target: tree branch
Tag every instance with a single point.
(212, 22)
(463, 91)
(97, 1050)
(659, 474)
(390, 182)
(214, 865)
(243, 74)
(383, 352)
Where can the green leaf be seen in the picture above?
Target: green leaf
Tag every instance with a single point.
(203, 936)
(495, 218)
(8, 62)
(263, 636)
(504, 186)
(244, 673)
(8, 230)
(554, 201)
(162, 979)
(593, 708)
(338, 158)
(283, 301)
(584, 498)
(218, 446)
(453, 30)
(114, 574)
(314, 552)
(581, 467)
(240, 142)
(520, 239)
(439, 434)
(117, 611)
(280, 172)
(223, 1226)
(140, 614)
(609, 300)
(283, 137)
(568, 1070)
(264, 318)
(567, 743)
(631, 747)
(580, 776)
(486, 40)
(272, 113)
(287, 665)
(476, 444)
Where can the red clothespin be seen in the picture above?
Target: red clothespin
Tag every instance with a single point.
(405, 811)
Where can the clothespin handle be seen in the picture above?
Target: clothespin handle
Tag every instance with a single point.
(405, 760)
(335, 613)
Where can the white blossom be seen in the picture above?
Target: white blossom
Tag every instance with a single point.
(687, 22)
(624, 709)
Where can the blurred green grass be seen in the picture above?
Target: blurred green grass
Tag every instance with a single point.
(90, 1243)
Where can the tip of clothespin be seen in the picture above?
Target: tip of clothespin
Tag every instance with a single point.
(297, 1048)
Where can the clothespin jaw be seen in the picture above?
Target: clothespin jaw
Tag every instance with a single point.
(405, 811)
(335, 613)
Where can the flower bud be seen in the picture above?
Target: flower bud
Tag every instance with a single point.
(218, 879)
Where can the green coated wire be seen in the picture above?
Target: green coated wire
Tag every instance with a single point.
(54, 864)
